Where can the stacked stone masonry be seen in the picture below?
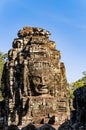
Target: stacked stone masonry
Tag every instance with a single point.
(34, 79)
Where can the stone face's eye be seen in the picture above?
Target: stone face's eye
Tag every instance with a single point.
(36, 80)
(45, 79)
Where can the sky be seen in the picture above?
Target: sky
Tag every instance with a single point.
(65, 19)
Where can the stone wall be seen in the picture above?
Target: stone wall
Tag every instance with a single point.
(34, 79)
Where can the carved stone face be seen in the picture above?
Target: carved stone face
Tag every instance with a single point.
(40, 84)
(42, 81)
(40, 77)
(17, 43)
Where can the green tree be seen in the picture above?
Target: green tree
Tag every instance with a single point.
(79, 83)
(3, 58)
(69, 91)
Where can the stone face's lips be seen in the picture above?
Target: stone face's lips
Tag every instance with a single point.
(42, 89)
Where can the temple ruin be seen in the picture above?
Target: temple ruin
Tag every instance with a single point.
(78, 115)
(34, 80)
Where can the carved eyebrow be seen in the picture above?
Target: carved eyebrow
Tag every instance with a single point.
(35, 76)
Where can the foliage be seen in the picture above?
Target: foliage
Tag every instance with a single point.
(73, 86)
(3, 58)
(1, 97)
(78, 84)
(69, 92)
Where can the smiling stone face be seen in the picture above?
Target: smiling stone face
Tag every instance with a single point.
(40, 69)
(40, 84)
(40, 76)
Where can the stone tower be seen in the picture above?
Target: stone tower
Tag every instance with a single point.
(34, 79)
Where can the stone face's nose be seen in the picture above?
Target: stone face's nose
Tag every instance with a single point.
(42, 81)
